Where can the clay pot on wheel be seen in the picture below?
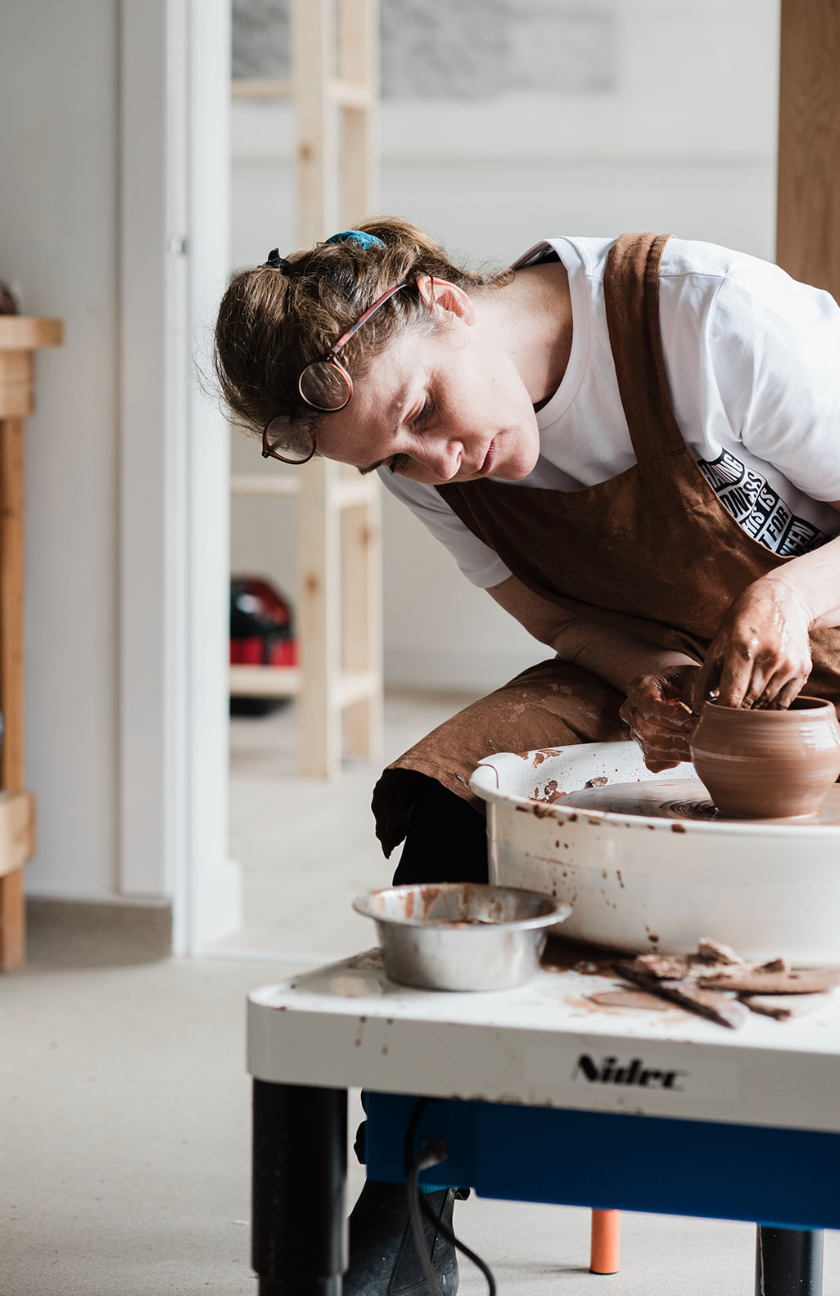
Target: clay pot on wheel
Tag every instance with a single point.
(767, 764)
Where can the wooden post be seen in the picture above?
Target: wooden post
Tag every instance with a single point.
(313, 43)
(340, 574)
(11, 601)
(361, 622)
(358, 70)
(334, 89)
(319, 620)
(20, 336)
(808, 226)
(361, 583)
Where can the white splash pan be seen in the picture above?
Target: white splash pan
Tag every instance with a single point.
(641, 882)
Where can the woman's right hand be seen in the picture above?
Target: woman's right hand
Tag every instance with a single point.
(659, 720)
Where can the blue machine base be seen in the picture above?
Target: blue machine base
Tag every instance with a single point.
(780, 1177)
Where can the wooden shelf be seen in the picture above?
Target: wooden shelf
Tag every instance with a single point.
(264, 681)
(29, 332)
(348, 687)
(339, 681)
(345, 493)
(20, 337)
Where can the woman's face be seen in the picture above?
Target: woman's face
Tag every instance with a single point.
(442, 406)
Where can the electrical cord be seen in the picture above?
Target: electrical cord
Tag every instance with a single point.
(428, 1157)
(432, 1152)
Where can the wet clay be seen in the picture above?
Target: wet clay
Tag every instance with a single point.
(639, 999)
(798, 981)
(562, 955)
(767, 764)
(455, 904)
(683, 800)
(783, 1007)
(716, 1006)
(549, 794)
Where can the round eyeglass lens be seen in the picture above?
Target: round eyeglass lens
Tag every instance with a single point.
(283, 443)
(325, 386)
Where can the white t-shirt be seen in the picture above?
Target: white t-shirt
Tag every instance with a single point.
(752, 360)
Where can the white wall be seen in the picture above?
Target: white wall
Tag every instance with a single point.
(114, 177)
(58, 244)
(682, 140)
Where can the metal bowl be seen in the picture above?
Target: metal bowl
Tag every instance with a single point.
(460, 935)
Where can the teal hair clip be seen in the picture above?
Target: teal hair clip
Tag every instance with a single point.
(358, 237)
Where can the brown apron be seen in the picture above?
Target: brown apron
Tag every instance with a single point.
(652, 552)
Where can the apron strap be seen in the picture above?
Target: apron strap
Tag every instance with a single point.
(631, 295)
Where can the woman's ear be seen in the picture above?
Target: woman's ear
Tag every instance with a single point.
(448, 297)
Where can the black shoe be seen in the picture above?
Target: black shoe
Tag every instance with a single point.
(383, 1257)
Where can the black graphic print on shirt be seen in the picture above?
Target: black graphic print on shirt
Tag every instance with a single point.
(757, 507)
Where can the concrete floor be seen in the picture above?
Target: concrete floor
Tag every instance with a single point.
(307, 848)
(124, 1136)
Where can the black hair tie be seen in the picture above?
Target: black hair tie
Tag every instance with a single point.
(276, 262)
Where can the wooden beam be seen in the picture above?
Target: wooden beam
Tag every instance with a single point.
(12, 902)
(20, 336)
(264, 681)
(17, 831)
(11, 602)
(12, 920)
(17, 383)
(263, 484)
(319, 621)
(27, 332)
(358, 66)
(317, 127)
(808, 219)
(361, 578)
(254, 88)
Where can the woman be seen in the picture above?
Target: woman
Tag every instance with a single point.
(631, 444)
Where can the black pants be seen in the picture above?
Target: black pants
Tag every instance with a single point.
(446, 839)
(446, 842)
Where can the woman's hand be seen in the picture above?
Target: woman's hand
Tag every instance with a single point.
(761, 655)
(659, 720)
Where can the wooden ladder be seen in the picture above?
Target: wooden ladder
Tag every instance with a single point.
(339, 680)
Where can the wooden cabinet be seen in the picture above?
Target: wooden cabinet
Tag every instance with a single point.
(20, 337)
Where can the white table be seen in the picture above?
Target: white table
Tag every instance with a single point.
(540, 1095)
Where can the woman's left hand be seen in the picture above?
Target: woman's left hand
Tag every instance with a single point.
(659, 721)
(761, 654)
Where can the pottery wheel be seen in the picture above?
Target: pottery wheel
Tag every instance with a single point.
(683, 799)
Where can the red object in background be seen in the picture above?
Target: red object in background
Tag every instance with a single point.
(261, 634)
(258, 652)
(261, 624)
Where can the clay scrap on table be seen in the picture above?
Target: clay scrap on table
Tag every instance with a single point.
(724, 1009)
(783, 1007)
(712, 951)
(770, 980)
(666, 967)
(717, 983)
(629, 999)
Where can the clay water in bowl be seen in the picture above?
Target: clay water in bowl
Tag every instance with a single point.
(767, 764)
(461, 935)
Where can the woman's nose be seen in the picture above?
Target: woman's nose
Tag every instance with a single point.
(442, 456)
